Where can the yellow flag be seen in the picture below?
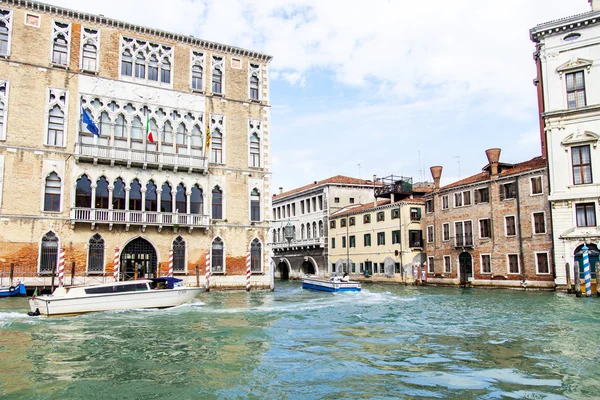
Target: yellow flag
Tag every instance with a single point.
(207, 138)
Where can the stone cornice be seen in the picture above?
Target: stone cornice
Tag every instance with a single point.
(572, 111)
(113, 23)
(564, 25)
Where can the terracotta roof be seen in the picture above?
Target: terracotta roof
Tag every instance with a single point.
(338, 179)
(369, 206)
(534, 163)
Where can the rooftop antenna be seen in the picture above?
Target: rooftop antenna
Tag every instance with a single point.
(420, 167)
(358, 170)
(458, 162)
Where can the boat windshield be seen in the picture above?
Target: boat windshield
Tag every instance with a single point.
(117, 288)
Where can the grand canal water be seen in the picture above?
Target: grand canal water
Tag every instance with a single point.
(385, 342)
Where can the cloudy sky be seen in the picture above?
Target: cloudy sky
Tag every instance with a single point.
(379, 87)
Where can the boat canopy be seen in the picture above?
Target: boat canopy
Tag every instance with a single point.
(170, 281)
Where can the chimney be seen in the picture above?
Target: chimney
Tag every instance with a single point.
(493, 156)
(595, 4)
(280, 189)
(436, 173)
(374, 198)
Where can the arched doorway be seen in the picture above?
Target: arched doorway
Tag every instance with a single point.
(308, 268)
(284, 271)
(594, 255)
(138, 260)
(466, 267)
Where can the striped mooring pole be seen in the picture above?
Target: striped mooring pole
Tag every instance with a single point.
(170, 274)
(61, 267)
(248, 271)
(587, 274)
(207, 270)
(116, 265)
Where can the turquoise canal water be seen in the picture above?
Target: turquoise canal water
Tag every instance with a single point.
(385, 342)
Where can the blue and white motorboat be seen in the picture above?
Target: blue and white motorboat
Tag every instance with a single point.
(334, 284)
(9, 291)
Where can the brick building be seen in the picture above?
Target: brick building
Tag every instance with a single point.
(491, 229)
(180, 162)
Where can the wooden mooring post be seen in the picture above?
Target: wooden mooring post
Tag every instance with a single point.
(597, 278)
(568, 270)
(577, 282)
(11, 274)
(52, 280)
(197, 276)
(72, 272)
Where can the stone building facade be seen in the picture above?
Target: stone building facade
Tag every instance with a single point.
(491, 229)
(380, 241)
(306, 211)
(568, 85)
(180, 161)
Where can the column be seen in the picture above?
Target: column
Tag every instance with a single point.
(143, 190)
(110, 202)
(127, 189)
(158, 200)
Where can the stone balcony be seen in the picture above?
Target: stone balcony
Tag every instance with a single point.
(139, 158)
(137, 218)
(295, 244)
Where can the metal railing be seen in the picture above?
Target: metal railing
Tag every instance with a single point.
(103, 216)
(126, 155)
(300, 242)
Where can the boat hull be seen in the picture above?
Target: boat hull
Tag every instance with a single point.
(50, 305)
(330, 286)
(18, 290)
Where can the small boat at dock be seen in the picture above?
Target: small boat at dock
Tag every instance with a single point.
(146, 293)
(334, 284)
(10, 291)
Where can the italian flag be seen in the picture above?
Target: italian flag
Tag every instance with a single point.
(148, 131)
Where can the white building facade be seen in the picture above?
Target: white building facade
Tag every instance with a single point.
(568, 60)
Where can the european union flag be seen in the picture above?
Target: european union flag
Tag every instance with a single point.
(89, 122)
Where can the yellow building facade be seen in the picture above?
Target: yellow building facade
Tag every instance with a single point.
(381, 241)
(178, 167)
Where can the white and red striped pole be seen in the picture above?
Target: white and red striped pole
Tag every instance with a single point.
(207, 270)
(170, 263)
(116, 265)
(61, 267)
(248, 271)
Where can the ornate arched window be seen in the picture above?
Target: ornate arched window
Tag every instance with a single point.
(275, 235)
(217, 260)
(254, 151)
(101, 193)
(217, 75)
(135, 196)
(320, 228)
(3, 107)
(52, 193)
(255, 256)
(83, 192)
(254, 87)
(314, 230)
(217, 203)
(167, 138)
(48, 253)
(196, 201)
(56, 126)
(182, 140)
(126, 63)
(60, 51)
(140, 66)
(308, 230)
(302, 231)
(165, 72)
(197, 77)
(5, 31)
(181, 199)
(150, 197)
(179, 254)
(118, 199)
(216, 147)
(166, 199)
(89, 57)
(96, 254)
(104, 124)
(255, 205)
(137, 134)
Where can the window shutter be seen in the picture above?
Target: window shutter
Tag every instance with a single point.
(477, 196)
(502, 189)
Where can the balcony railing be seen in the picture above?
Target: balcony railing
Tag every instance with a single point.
(133, 217)
(300, 243)
(138, 157)
(394, 185)
(415, 244)
(463, 240)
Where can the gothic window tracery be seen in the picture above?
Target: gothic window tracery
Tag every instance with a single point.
(89, 49)
(254, 129)
(5, 31)
(57, 115)
(254, 81)
(217, 66)
(3, 108)
(197, 70)
(146, 61)
(61, 37)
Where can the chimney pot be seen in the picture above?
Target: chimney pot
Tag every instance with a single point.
(493, 156)
(436, 173)
(595, 4)
(280, 189)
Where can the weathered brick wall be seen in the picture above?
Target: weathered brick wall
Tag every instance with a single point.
(499, 245)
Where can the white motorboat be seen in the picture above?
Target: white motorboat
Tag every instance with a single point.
(147, 293)
(333, 284)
